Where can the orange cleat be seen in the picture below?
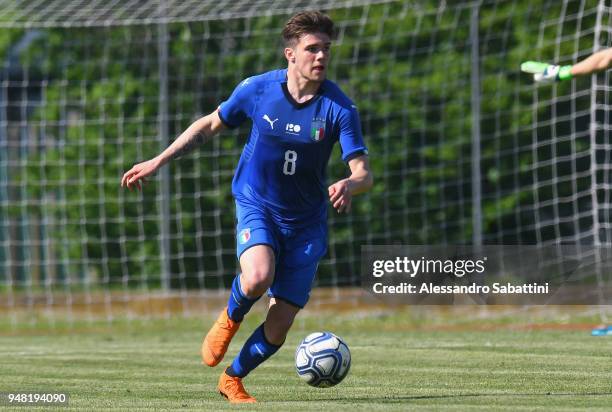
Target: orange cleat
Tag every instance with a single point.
(231, 387)
(218, 339)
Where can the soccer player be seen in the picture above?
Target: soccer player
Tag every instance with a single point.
(281, 201)
(544, 72)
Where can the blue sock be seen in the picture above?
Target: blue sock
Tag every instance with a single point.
(238, 304)
(255, 350)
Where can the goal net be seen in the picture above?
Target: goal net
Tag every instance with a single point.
(463, 147)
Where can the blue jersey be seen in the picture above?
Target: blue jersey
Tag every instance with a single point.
(283, 165)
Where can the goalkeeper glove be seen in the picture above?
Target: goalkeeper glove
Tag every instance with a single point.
(544, 72)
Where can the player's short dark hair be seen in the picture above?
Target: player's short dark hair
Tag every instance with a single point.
(307, 22)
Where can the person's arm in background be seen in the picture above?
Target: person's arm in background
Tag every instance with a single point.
(544, 72)
(596, 62)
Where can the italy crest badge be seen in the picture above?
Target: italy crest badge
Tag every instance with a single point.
(317, 129)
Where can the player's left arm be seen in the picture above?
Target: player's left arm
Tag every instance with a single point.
(361, 180)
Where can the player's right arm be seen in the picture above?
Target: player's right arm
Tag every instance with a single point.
(200, 131)
(596, 62)
(544, 72)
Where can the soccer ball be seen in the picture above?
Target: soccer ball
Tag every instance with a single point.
(322, 359)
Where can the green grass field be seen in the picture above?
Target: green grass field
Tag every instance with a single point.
(397, 365)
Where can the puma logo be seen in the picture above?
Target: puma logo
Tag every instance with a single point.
(267, 119)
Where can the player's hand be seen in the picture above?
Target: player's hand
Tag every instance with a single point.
(340, 196)
(135, 177)
(549, 74)
(546, 73)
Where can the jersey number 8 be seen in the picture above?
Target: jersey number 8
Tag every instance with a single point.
(289, 165)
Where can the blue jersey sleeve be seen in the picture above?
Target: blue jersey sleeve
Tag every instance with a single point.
(234, 111)
(351, 139)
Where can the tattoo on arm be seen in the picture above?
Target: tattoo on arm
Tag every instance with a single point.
(194, 140)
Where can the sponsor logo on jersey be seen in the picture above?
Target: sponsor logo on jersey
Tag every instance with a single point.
(293, 128)
(308, 250)
(267, 119)
(317, 129)
(244, 236)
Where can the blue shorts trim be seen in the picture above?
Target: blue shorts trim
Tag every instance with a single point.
(284, 300)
